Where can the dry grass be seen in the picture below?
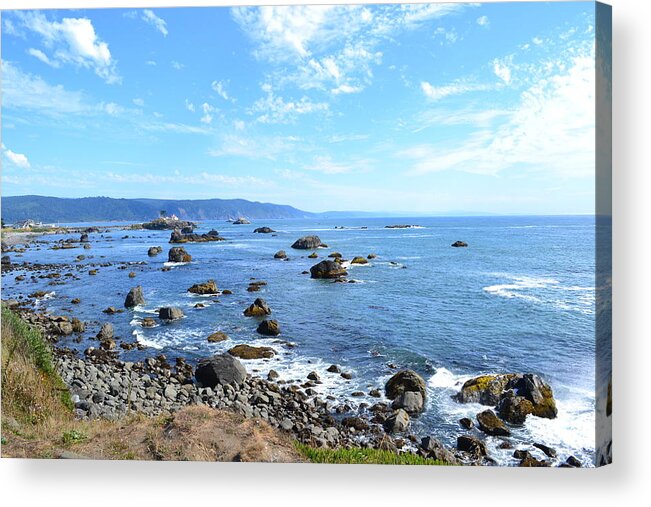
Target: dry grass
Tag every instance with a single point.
(38, 421)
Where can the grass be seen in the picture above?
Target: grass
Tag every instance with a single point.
(363, 456)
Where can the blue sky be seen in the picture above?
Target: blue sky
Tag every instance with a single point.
(418, 108)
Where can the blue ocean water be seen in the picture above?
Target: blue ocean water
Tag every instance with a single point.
(520, 298)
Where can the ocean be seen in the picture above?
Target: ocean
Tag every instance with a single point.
(519, 298)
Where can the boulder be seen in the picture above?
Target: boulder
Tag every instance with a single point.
(485, 389)
(434, 449)
(220, 369)
(472, 445)
(6, 260)
(166, 223)
(269, 328)
(359, 260)
(371, 256)
(549, 451)
(241, 221)
(83, 238)
(490, 424)
(307, 243)
(459, 244)
(178, 254)
(264, 230)
(335, 255)
(209, 287)
(333, 368)
(176, 236)
(514, 409)
(170, 313)
(412, 402)
(244, 351)
(313, 255)
(154, 250)
(148, 322)
(404, 381)
(327, 269)
(218, 336)
(259, 308)
(77, 325)
(466, 422)
(280, 254)
(398, 422)
(105, 332)
(134, 297)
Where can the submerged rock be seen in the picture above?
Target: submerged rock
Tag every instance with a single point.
(209, 287)
(221, 369)
(244, 351)
(327, 269)
(307, 243)
(134, 297)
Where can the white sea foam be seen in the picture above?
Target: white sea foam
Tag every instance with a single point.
(174, 264)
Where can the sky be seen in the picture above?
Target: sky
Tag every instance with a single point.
(424, 108)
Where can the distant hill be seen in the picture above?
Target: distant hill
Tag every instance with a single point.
(104, 209)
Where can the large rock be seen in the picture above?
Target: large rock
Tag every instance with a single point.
(105, 332)
(134, 297)
(514, 409)
(492, 389)
(411, 401)
(269, 328)
(264, 230)
(217, 336)
(327, 269)
(307, 243)
(209, 287)
(259, 308)
(398, 422)
(244, 351)
(220, 369)
(434, 449)
(167, 223)
(490, 424)
(170, 313)
(178, 254)
(472, 445)
(241, 221)
(404, 381)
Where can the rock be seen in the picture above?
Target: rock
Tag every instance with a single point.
(573, 462)
(359, 260)
(170, 313)
(178, 254)
(107, 344)
(220, 369)
(83, 238)
(403, 381)
(63, 328)
(549, 451)
(467, 423)
(412, 402)
(471, 445)
(148, 322)
(313, 255)
(77, 325)
(134, 297)
(87, 246)
(217, 336)
(248, 352)
(154, 251)
(272, 375)
(226, 292)
(6, 261)
(490, 424)
(264, 230)
(167, 223)
(132, 274)
(485, 389)
(259, 308)
(527, 460)
(105, 332)
(514, 409)
(434, 449)
(355, 422)
(75, 301)
(209, 287)
(111, 310)
(333, 368)
(313, 376)
(327, 269)
(398, 422)
(371, 256)
(269, 328)
(307, 243)
(459, 244)
(280, 254)
(92, 272)
(335, 255)
(400, 226)
(241, 221)
(347, 375)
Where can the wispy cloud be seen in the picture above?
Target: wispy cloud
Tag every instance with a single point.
(149, 17)
(502, 69)
(71, 41)
(38, 54)
(435, 93)
(274, 109)
(483, 21)
(176, 65)
(220, 88)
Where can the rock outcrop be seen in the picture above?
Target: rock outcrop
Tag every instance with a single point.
(327, 269)
(280, 254)
(134, 297)
(170, 313)
(209, 287)
(307, 243)
(178, 254)
(167, 223)
(269, 328)
(259, 308)
(459, 244)
(244, 351)
(264, 230)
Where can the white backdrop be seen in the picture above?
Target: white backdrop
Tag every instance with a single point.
(626, 482)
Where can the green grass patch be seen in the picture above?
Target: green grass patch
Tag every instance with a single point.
(73, 437)
(28, 341)
(363, 456)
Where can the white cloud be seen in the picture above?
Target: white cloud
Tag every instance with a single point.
(16, 159)
(435, 93)
(483, 21)
(346, 89)
(151, 63)
(207, 113)
(38, 54)
(254, 147)
(447, 36)
(274, 109)
(176, 65)
(148, 16)
(139, 102)
(239, 125)
(502, 69)
(73, 41)
(189, 106)
(324, 164)
(220, 88)
(537, 41)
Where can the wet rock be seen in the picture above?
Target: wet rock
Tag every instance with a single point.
(471, 445)
(466, 422)
(313, 376)
(241, 221)
(573, 462)
(434, 449)
(148, 322)
(218, 336)
(549, 451)
(459, 244)
(359, 260)
(272, 375)
(335, 255)
(404, 381)
(371, 256)
(75, 301)
(514, 409)
(221, 369)
(154, 251)
(132, 274)
(259, 308)
(313, 255)
(83, 238)
(307, 243)
(269, 328)
(280, 254)
(244, 351)
(105, 332)
(6, 261)
(178, 254)
(333, 368)
(226, 292)
(327, 269)
(346, 375)
(490, 424)
(134, 297)
(264, 230)
(355, 422)
(77, 325)
(170, 313)
(209, 287)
